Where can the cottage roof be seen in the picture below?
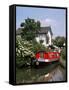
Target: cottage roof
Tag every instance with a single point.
(43, 30)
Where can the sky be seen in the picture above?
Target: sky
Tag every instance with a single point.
(56, 18)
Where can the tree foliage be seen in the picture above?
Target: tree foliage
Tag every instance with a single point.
(63, 53)
(30, 27)
(59, 41)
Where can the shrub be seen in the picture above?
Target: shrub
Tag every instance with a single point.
(63, 53)
(23, 51)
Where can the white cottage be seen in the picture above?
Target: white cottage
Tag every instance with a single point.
(44, 35)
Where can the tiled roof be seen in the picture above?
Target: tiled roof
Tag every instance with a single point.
(43, 30)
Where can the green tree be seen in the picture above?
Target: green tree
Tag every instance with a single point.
(29, 29)
(59, 41)
(63, 53)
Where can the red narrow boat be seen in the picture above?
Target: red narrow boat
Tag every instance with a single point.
(43, 56)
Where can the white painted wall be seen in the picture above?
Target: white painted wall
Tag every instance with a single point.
(50, 38)
(37, 39)
(43, 37)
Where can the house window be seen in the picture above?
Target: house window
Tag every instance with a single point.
(41, 41)
(47, 39)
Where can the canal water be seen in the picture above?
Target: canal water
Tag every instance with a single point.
(49, 73)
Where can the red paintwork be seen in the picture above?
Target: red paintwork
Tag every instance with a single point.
(45, 56)
(37, 55)
(53, 55)
(49, 55)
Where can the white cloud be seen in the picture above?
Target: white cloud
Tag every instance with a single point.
(55, 26)
(48, 22)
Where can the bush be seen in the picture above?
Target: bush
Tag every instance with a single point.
(63, 53)
(23, 51)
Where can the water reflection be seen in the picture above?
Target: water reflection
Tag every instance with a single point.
(41, 74)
